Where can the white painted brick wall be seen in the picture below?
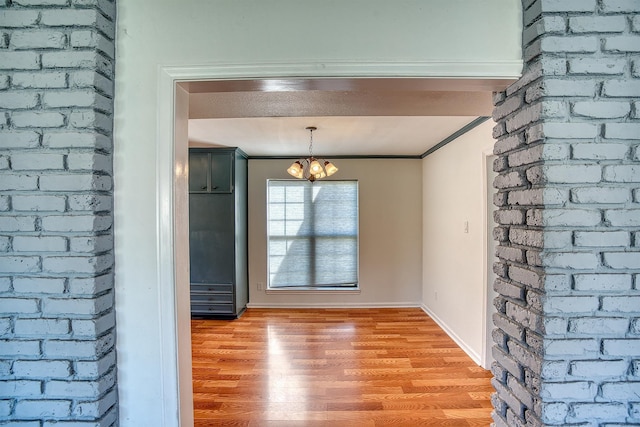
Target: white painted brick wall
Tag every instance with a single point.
(50, 327)
(18, 100)
(600, 195)
(12, 181)
(76, 139)
(21, 264)
(94, 409)
(19, 139)
(600, 151)
(37, 39)
(94, 203)
(600, 368)
(41, 409)
(93, 327)
(603, 282)
(598, 411)
(622, 304)
(42, 369)
(78, 264)
(20, 60)
(11, 349)
(37, 161)
(95, 369)
(45, 285)
(57, 342)
(20, 223)
(42, 119)
(91, 285)
(599, 325)
(39, 80)
(75, 223)
(75, 182)
(622, 173)
(597, 24)
(603, 110)
(612, 66)
(38, 203)
(81, 79)
(621, 88)
(568, 139)
(77, 349)
(91, 244)
(621, 347)
(40, 244)
(602, 238)
(77, 306)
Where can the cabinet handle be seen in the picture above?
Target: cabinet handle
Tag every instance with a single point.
(214, 187)
(204, 187)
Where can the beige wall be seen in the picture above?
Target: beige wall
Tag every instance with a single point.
(453, 261)
(390, 202)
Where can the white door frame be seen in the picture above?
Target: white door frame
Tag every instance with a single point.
(172, 233)
(486, 357)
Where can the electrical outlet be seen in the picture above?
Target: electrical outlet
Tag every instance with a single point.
(260, 286)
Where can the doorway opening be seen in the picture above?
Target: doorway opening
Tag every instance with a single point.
(175, 88)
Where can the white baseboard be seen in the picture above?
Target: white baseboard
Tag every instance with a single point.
(470, 352)
(334, 305)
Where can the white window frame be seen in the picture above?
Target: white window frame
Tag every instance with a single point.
(347, 288)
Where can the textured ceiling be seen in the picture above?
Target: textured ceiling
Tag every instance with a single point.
(359, 117)
(335, 136)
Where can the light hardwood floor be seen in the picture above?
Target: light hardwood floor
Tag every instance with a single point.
(334, 367)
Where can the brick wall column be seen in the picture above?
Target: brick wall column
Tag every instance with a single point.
(57, 353)
(567, 343)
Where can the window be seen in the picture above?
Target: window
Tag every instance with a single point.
(312, 234)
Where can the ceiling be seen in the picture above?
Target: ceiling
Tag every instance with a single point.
(354, 117)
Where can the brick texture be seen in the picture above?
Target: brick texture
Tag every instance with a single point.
(567, 338)
(57, 321)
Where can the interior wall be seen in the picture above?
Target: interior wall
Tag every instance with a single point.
(390, 209)
(170, 40)
(453, 242)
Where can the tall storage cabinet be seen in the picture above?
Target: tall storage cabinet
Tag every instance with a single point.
(218, 232)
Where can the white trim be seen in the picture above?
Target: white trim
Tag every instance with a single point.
(463, 345)
(311, 291)
(493, 70)
(335, 305)
(170, 280)
(486, 349)
(166, 257)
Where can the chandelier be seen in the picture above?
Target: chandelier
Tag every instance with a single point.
(311, 168)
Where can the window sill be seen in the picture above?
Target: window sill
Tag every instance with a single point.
(306, 291)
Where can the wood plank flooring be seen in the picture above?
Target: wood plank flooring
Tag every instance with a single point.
(334, 367)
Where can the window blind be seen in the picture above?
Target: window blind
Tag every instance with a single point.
(312, 233)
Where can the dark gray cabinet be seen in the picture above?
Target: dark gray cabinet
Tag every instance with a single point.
(211, 171)
(218, 232)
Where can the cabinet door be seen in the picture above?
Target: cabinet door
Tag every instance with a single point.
(198, 172)
(211, 238)
(221, 172)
